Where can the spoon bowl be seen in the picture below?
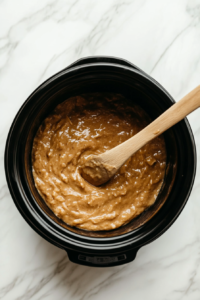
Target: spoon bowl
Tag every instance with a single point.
(96, 171)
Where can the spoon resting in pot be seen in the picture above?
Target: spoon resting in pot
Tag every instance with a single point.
(98, 169)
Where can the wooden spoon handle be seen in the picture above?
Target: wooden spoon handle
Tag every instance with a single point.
(170, 117)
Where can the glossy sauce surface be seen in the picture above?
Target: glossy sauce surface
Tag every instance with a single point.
(92, 124)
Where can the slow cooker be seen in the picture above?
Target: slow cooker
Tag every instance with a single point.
(100, 248)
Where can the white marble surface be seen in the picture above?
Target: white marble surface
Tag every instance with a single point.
(37, 39)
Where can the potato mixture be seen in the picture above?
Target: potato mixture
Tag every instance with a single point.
(88, 125)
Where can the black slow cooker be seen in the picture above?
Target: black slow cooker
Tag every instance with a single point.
(102, 248)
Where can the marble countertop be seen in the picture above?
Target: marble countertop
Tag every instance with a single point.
(37, 39)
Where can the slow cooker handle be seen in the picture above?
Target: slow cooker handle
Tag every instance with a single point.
(109, 260)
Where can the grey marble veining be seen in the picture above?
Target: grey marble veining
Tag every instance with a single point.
(37, 39)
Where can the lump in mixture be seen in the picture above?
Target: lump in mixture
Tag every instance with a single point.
(89, 125)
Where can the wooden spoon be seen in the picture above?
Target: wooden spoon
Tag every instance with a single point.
(98, 169)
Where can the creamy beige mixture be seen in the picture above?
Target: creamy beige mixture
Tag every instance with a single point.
(88, 125)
